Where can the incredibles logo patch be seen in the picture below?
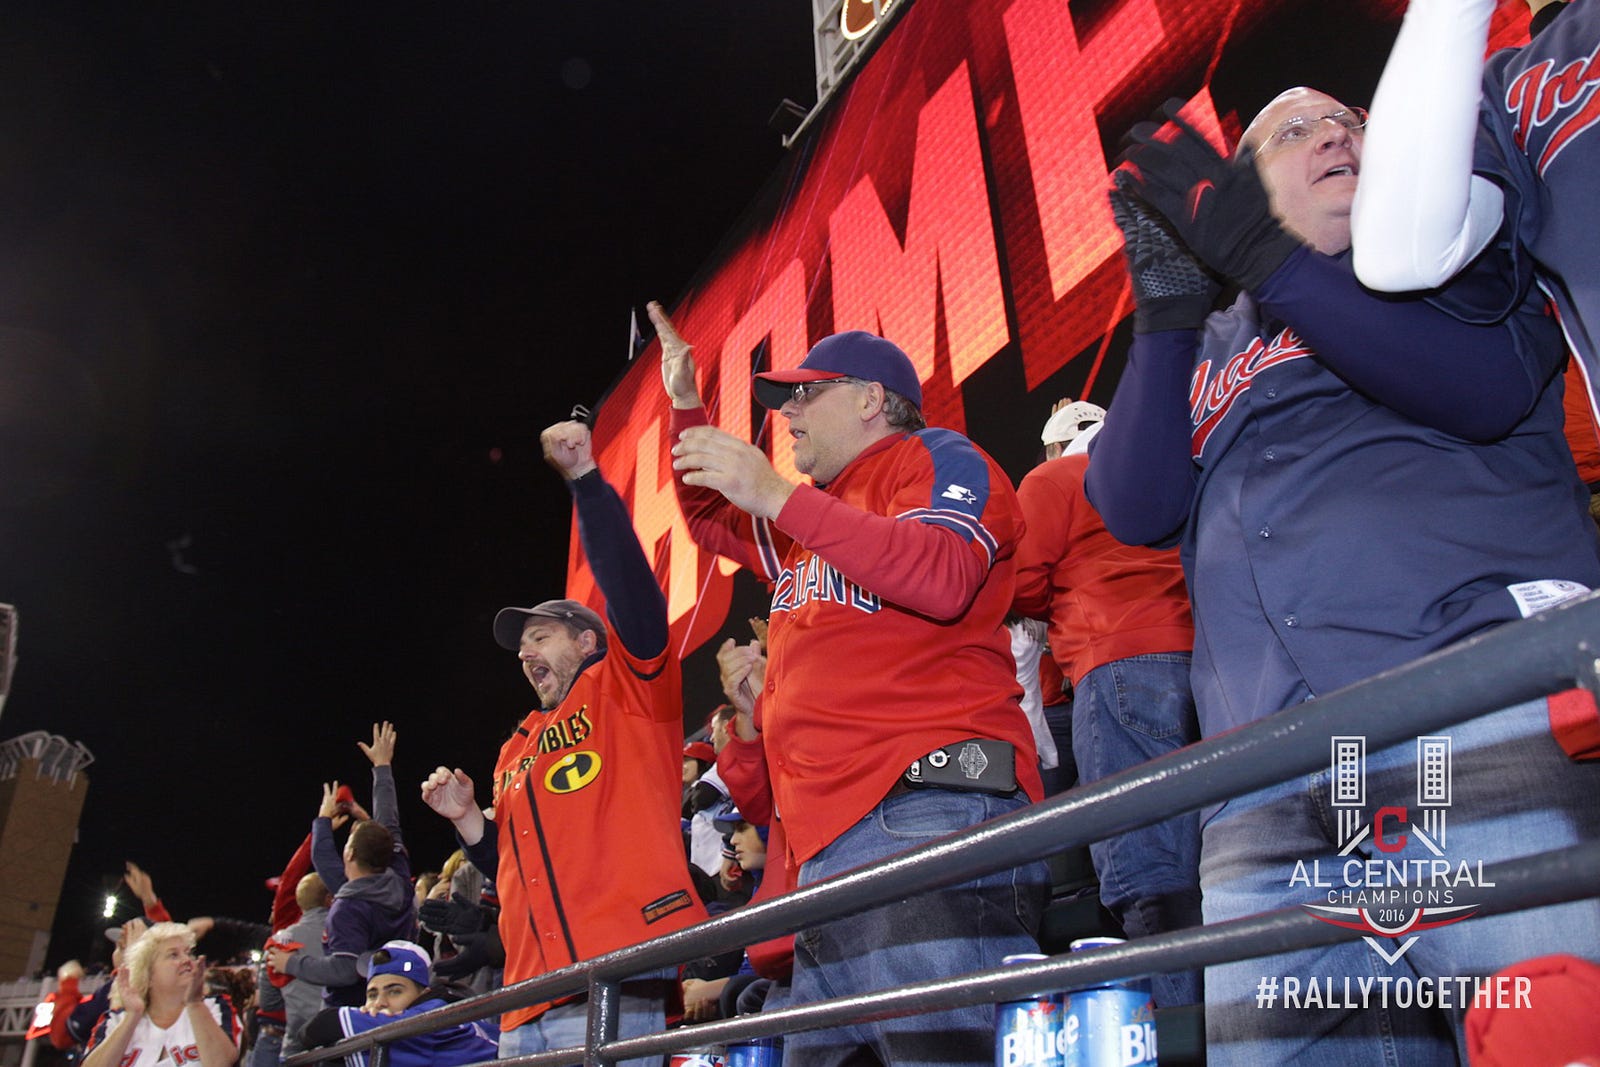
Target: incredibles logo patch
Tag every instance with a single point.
(572, 772)
(664, 906)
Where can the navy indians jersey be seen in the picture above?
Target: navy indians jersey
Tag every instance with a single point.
(1540, 140)
(1331, 538)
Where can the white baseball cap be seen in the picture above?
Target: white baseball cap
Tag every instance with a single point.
(1070, 421)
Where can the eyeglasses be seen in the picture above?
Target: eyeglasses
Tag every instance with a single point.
(1302, 127)
(804, 391)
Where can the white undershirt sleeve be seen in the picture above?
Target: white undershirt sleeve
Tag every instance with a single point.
(1420, 213)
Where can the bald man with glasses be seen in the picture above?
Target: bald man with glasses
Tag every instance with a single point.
(1353, 481)
(890, 712)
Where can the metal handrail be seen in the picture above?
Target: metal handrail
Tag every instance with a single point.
(1521, 661)
(1552, 877)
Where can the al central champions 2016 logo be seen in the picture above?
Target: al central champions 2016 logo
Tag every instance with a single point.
(1389, 896)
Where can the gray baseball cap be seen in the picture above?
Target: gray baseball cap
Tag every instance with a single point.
(510, 622)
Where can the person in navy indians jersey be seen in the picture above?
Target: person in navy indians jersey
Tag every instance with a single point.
(601, 751)
(160, 1013)
(889, 713)
(1353, 481)
(1533, 138)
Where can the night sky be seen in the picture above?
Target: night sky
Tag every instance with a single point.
(286, 294)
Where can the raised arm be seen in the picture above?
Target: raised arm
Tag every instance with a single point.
(1143, 475)
(742, 761)
(1420, 214)
(217, 1044)
(714, 522)
(108, 1044)
(385, 805)
(143, 887)
(325, 857)
(635, 605)
(451, 794)
(924, 557)
(1473, 381)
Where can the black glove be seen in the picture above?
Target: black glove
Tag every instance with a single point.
(1171, 289)
(1218, 208)
(474, 951)
(452, 917)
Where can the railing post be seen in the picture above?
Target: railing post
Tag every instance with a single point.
(605, 1011)
(379, 1057)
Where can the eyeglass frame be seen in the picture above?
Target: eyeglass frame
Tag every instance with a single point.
(1310, 123)
(803, 391)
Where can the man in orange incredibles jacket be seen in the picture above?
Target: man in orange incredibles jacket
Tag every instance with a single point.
(604, 748)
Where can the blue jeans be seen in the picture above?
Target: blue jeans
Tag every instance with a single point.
(567, 1025)
(953, 931)
(1124, 713)
(266, 1051)
(1064, 775)
(1514, 793)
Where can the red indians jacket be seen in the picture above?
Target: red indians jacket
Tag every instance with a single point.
(1104, 600)
(890, 587)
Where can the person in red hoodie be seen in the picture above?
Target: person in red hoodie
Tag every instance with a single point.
(1121, 632)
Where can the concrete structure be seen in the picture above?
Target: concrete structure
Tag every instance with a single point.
(42, 786)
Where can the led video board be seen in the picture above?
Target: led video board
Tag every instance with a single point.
(953, 200)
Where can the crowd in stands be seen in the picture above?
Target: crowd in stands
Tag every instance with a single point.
(1238, 533)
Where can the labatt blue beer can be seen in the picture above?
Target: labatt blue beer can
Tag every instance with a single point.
(1110, 1025)
(757, 1052)
(1028, 1033)
(703, 1056)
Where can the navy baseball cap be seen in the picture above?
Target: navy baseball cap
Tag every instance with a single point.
(728, 819)
(510, 622)
(853, 354)
(405, 958)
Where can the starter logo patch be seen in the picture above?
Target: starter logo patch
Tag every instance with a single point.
(572, 772)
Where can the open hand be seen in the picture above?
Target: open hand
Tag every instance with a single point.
(450, 793)
(197, 982)
(139, 883)
(677, 360)
(742, 670)
(278, 958)
(381, 751)
(132, 1002)
(737, 469)
(331, 806)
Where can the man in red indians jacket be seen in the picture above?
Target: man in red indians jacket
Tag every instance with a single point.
(889, 713)
(602, 751)
(1121, 632)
